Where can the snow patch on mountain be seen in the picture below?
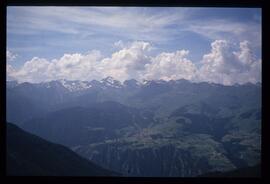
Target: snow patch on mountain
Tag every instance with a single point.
(110, 82)
(73, 86)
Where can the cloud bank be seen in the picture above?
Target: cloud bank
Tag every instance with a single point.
(224, 64)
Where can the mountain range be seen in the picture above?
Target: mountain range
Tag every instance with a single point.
(152, 128)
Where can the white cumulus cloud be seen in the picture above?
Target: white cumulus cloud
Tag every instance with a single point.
(128, 63)
(224, 64)
(171, 66)
(70, 66)
(10, 56)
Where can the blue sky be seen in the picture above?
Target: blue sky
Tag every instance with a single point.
(51, 32)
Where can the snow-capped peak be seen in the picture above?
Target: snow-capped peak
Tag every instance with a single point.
(109, 81)
(144, 82)
(73, 86)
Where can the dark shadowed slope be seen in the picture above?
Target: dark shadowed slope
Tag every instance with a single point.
(254, 171)
(28, 154)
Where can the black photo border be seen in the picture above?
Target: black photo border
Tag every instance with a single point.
(148, 3)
